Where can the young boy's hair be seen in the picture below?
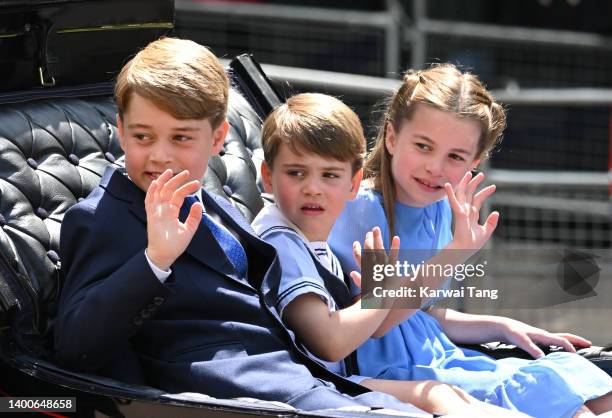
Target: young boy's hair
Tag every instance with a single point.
(181, 77)
(316, 123)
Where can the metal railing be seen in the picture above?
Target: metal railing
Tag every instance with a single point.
(558, 208)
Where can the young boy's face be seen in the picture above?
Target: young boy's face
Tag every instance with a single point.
(154, 141)
(310, 190)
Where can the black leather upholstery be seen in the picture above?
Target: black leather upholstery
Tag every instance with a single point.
(53, 153)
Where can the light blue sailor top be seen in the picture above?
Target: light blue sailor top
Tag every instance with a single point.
(299, 273)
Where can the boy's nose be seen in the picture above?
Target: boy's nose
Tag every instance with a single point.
(311, 187)
(160, 154)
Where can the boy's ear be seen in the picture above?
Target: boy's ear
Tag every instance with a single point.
(120, 132)
(390, 138)
(266, 177)
(219, 135)
(355, 182)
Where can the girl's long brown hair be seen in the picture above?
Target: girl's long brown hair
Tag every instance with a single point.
(445, 88)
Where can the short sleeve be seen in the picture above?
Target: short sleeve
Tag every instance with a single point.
(299, 274)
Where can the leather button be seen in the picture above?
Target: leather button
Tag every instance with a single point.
(110, 157)
(137, 320)
(73, 159)
(2, 220)
(32, 163)
(42, 213)
(53, 256)
(145, 313)
(158, 300)
(228, 190)
(222, 153)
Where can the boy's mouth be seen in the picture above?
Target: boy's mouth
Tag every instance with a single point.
(312, 209)
(152, 174)
(427, 185)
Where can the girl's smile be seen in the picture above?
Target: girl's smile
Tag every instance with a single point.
(432, 148)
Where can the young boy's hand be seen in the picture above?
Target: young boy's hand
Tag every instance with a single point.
(373, 241)
(465, 204)
(167, 236)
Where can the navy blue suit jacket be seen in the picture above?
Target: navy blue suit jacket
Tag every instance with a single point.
(203, 330)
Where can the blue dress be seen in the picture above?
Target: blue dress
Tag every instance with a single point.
(417, 349)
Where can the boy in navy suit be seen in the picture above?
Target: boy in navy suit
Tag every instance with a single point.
(162, 279)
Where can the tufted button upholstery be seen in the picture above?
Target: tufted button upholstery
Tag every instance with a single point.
(53, 154)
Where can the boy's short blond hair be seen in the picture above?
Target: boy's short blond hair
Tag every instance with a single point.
(316, 123)
(181, 77)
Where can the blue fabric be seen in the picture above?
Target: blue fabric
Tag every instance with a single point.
(300, 276)
(230, 245)
(554, 386)
(203, 330)
(299, 264)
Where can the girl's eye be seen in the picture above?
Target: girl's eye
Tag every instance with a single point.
(141, 136)
(422, 146)
(457, 157)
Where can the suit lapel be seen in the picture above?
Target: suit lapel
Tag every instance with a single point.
(203, 246)
(259, 252)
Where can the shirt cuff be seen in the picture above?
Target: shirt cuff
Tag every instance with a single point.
(159, 273)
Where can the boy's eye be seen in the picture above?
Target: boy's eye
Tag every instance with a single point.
(423, 146)
(457, 157)
(141, 136)
(331, 175)
(181, 138)
(296, 173)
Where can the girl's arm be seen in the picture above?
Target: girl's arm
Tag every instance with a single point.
(464, 328)
(402, 309)
(469, 237)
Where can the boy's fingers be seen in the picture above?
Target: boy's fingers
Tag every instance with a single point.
(170, 186)
(394, 251)
(356, 278)
(195, 217)
(357, 253)
(164, 177)
(482, 195)
(378, 242)
(368, 242)
(150, 196)
(179, 195)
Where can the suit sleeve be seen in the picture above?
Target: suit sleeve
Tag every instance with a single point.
(108, 286)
